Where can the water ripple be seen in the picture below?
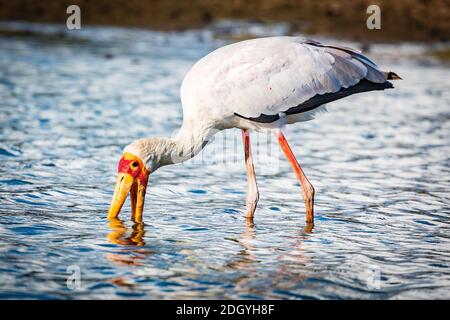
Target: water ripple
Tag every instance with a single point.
(379, 162)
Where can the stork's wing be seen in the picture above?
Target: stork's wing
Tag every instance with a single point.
(268, 76)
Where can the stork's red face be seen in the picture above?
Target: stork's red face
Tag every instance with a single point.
(132, 178)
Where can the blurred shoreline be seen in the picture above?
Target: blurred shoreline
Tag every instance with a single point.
(401, 20)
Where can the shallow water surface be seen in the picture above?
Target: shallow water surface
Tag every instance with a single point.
(68, 105)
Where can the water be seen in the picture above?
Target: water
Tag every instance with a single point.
(68, 105)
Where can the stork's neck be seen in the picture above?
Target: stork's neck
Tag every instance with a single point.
(190, 140)
(156, 152)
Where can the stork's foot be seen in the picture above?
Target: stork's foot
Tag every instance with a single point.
(308, 195)
(308, 228)
(252, 202)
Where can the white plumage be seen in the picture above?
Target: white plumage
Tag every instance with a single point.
(269, 76)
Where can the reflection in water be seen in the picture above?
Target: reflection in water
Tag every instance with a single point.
(244, 258)
(293, 267)
(119, 231)
(290, 266)
(129, 254)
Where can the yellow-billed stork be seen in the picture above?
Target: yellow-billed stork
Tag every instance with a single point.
(260, 84)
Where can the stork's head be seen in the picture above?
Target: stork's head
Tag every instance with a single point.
(139, 159)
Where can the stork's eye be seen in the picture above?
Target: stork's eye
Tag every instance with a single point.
(135, 164)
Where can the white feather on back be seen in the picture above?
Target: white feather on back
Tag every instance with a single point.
(269, 76)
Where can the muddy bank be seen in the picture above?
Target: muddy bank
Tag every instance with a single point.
(412, 20)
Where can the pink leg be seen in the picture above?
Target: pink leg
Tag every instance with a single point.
(253, 193)
(307, 188)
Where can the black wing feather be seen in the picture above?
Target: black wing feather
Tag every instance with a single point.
(362, 86)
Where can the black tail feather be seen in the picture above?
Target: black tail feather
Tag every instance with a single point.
(393, 76)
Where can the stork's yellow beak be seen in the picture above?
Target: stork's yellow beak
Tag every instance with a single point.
(132, 179)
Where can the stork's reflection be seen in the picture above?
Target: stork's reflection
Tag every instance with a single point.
(119, 231)
(245, 257)
(132, 239)
(290, 269)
